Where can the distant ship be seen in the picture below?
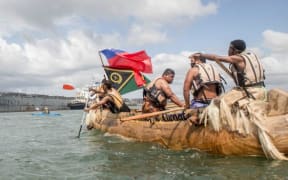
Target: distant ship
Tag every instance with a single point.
(79, 101)
(77, 104)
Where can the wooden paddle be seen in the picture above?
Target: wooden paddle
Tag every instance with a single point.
(83, 117)
(171, 105)
(147, 115)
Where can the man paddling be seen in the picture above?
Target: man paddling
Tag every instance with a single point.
(112, 100)
(157, 93)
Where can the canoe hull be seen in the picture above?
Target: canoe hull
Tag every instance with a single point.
(183, 134)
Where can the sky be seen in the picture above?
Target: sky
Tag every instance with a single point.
(47, 43)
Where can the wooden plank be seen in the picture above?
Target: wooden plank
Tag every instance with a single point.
(147, 115)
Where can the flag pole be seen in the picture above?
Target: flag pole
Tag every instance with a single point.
(101, 58)
(102, 64)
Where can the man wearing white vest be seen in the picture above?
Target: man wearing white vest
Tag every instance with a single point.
(248, 74)
(203, 82)
(245, 67)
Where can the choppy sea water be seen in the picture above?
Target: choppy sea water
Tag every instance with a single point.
(33, 147)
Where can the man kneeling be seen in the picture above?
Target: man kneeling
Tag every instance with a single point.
(111, 100)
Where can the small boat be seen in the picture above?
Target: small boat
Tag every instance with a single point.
(79, 101)
(76, 105)
(46, 114)
(262, 136)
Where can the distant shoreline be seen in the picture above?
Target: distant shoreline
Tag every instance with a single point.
(21, 102)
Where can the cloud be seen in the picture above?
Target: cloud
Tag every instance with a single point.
(49, 62)
(44, 44)
(277, 60)
(276, 41)
(173, 11)
(47, 16)
(140, 35)
(173, 61)
(46, 13)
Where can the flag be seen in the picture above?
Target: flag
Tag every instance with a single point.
(68, 87)
(123, 80)
(138, 61)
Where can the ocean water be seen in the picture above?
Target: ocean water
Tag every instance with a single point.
(39, 147)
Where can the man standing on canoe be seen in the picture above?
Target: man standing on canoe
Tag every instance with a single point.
(157, 92)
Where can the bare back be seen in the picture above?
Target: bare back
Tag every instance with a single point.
(208, 92)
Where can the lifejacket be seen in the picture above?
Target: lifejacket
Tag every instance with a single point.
(156, 96)
(253, 73)
(118, 104)
(207, 75)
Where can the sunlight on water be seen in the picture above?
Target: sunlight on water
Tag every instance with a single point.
(34, 147)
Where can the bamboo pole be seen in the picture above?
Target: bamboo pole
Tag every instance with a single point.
(147, 115)
(226, 70)
(99, 53)
(171, 105)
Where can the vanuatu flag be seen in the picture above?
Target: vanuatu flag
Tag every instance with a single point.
(125, 80)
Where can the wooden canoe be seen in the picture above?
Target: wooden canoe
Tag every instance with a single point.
(173, 129)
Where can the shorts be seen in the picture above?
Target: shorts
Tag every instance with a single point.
(197, 104)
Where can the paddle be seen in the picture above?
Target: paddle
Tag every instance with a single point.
(147, 115)
(171, 105)
(83, 117)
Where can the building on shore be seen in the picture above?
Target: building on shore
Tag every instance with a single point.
(19, 102)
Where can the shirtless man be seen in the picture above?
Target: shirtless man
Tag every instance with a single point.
(158, 92)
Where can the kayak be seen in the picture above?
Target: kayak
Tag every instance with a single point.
(45, 114)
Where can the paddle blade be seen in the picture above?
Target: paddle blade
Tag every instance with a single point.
(79, 132)
(68, 87)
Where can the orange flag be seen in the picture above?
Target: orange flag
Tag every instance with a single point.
(68, 87)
